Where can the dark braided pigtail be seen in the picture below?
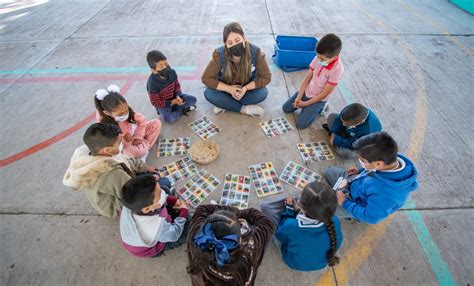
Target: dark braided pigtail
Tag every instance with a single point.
(331, 254)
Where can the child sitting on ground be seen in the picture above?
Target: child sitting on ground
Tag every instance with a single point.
(308, 234)
(354, 121)
(380, 187)
(153, 220)
(164, 89)
(324, 74)
(101, 170)
(139, 134)
(226, 245)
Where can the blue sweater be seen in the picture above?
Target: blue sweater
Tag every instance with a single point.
(305, 242)
(371, 125)
(376, 195)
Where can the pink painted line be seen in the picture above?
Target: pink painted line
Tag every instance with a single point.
(44, 144)
(86, 78)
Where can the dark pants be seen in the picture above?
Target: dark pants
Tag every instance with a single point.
(173, 113)
(308, 114)
(225, 101)
(343, 152)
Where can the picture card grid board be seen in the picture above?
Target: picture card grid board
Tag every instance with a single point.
(298, 176)
(236, 191)
(179, 170)
(204, 127)
(265, 179)
(275, 127)
(196, 190)
(315, 151)
(173, 147)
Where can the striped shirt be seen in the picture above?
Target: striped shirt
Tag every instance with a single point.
(162, 91)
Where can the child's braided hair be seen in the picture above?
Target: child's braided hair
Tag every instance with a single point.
(319, 202)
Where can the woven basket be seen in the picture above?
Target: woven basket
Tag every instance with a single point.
(204, 152)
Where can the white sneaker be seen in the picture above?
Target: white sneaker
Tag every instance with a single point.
(213, 202)
(218, 110)
(252, 110)
(325, 111)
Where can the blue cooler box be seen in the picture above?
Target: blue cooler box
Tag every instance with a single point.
(294, 53)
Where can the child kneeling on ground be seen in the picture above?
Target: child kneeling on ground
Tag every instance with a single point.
(324, 74)
(354, 121)
(226, 245)
(308, 234)
(164, 89)
(378, 189)
(153, 220)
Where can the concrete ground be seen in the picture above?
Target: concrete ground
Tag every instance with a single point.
(410, 61)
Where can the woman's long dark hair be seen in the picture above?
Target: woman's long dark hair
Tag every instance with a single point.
(319, 202)
(237, 72)
(203, 262)
(109, 103)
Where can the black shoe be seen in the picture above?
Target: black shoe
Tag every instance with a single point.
(185, 111)
(326, 127)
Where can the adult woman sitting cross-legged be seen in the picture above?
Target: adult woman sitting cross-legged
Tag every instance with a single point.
(237, 74)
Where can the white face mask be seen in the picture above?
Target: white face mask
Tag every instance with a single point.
(163, 198)
(362, 164)
(121, 118)
(323, 64)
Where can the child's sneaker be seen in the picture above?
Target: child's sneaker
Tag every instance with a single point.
(213, 202)
(325, 111)
(326, 127)
(252, 110)
(218, 110)
(185, 111)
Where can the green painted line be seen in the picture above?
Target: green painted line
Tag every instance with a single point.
(439, 266)
(346, 94)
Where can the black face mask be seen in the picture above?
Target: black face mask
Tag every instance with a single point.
(164, 72)
(237, 50)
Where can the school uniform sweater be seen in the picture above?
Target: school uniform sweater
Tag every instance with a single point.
(371, 125)
(304, 241)
(146, 235)
(101, 178)
(162, 91)
(376, 195)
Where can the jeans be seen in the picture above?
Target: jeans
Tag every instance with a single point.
(308, 114)
(178, 243)
(225, 101)
(171, 114)
(331, 175)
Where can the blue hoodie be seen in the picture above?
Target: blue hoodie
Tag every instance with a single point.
(304, 241)
(376, 195)
(371, 125)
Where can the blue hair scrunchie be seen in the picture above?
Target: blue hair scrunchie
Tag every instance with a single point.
(206, 238)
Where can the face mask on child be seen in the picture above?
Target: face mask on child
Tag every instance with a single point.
(163, 198)
(163, 72)
(121, 118)
(323, 64)
(362, 164)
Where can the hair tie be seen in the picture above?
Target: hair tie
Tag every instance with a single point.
(206, 240)
(113, 88)
(100, 94)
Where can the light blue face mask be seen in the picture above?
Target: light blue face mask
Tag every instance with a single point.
(323, 64)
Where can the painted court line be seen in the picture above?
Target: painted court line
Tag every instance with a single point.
(46, 143)
(359, 252)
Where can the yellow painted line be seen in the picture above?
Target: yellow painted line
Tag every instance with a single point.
(360, 251)
(438, 27)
